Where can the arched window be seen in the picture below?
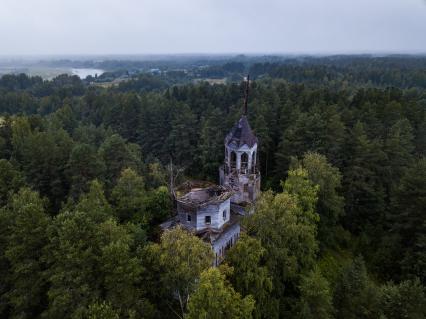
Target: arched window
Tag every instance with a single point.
(233, 159)
(253, 162)
(244, 161)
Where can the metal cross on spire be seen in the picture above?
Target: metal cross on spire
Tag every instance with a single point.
(246, 94)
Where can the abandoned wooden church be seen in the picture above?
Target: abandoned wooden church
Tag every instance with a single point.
(213, 212)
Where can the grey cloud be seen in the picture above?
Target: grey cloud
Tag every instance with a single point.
(211, 26)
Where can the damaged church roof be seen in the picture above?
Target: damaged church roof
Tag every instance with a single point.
(198, 194)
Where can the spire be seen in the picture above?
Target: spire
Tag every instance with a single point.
(246, 94)
(241, 134)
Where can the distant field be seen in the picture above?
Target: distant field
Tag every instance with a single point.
(45, 73)
(212, 81)
(48, 73)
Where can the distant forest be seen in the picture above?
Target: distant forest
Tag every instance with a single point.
(339, 232)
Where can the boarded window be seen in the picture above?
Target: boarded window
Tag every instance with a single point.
(208, 220)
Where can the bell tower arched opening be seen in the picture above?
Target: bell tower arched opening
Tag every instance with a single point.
(253, 162)
(244, 161)
(233, 159)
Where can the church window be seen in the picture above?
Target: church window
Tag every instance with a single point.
(253, 161)
(188, 217)
(244, 161)
(208, 220)
(233, 159)
(224, 214)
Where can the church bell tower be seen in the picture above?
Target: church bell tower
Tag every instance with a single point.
(240, 169)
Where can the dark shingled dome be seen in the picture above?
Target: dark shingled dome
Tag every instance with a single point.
(241, 134)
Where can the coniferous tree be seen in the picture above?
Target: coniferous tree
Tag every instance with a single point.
(89, 241)
(6, 147)
(43, 157)
(316, 296)
(399, 148)
(5, 221)
(182, 136)
(407, 219)
(363, 181)
(265, 142)
(159, 205)
(84, 165)
(128, 117)
(27, 237)
(72, 255)
(355, 296)
(330, 203)
(405, 300)
(129, 198)
(102, 310)
(11, 180)
(118, 155)
(211, 150)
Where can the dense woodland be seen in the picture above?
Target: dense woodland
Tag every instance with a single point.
(339, 232)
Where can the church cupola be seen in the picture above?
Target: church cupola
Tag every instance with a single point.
(241, 147)
(240, 168)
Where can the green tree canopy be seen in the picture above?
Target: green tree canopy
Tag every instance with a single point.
(181, 258)
(355, 295)
(407, 218)
(251, 277)
(214, 298)
(25, 243)
(11, 180)
(330, 202)
(129, 197)
(286, 226)
(316, 296)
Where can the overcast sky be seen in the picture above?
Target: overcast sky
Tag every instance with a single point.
(211, 26)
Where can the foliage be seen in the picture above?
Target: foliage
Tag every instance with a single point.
(129, 197)
(27, 236)
(285, 224)
(10, 180)
(182, 258)
(316, 296)
(214, 298)
(101, 311)
(330, 202)
(342, 146)
(250, 277)
(355, 295)
(407, 219)
(87, 241)
(405, 300)
(84, 165)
